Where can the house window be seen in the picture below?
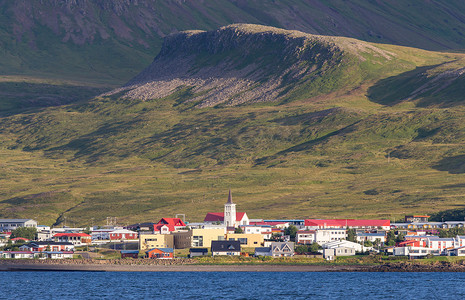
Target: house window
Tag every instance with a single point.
(197, 241)
(243, 241)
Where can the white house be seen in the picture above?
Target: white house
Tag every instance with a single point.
(440, 244)
(264, 230)
(11, 224)
(305, 237)
(331, 253)
(321, 235)
(343, 243)
(372, 237)
(413, 251)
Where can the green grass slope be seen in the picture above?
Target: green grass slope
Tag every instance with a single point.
(344, 152)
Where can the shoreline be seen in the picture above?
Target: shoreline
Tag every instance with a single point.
(92, 267)
(135, 266)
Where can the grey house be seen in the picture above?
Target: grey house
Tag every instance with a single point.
(276, 249)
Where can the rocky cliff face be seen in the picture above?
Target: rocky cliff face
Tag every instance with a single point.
(243, 63)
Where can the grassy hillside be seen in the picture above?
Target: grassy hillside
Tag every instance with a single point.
(350, 151)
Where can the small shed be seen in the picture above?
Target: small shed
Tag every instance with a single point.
(129, 253)
(198, 252)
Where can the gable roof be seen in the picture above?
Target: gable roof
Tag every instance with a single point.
(219, 217)
(226, 246)
(171, 221)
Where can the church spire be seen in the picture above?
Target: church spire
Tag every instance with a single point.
(230, 198)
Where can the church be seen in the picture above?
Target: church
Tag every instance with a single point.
(229, 217)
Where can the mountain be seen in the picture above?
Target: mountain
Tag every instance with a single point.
(74, 50)
(110, 41)
(328, 127)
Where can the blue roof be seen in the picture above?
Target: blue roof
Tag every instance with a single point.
(168, 250)
(129, 251)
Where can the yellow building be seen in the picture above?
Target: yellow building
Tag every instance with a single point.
(247, 240)
(150, 241)
(199, 237)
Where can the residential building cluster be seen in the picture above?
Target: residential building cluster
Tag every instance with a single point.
(230, 232)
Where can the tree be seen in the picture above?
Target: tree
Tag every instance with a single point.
(238, 230)
(368, 243)
(301, 249)
(24, 232)
(351, 235)
(315, 247)
(400, 238)
(391, 238)
(291, 231)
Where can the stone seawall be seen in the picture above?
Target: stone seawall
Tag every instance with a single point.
(188, 265)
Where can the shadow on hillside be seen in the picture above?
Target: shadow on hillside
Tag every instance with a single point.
(16, 97)
(308, 145)
(457, 214)
(444, 90)
(452, 164)
(395, 89)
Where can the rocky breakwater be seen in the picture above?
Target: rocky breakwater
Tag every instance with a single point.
(419, 266)
(245, 63)
(88, 264)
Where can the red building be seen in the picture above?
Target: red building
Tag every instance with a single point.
(167, 225)
(123, 234)
(160, 253)
(129, 254)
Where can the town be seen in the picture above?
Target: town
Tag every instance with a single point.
(232, 233)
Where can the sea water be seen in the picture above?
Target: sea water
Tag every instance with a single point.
(230, 285)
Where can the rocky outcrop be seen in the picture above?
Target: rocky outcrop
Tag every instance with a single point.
(245, 63)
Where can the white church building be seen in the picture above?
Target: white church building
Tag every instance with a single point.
(229, 217)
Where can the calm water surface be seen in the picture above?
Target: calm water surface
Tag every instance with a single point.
(230, 285)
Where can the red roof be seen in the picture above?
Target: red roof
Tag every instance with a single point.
(71, 234)
(19, 239)
(346, 223)
(172, 221)
(219, 217)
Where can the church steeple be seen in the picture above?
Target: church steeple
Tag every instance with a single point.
(230, 198)
(230, 212)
